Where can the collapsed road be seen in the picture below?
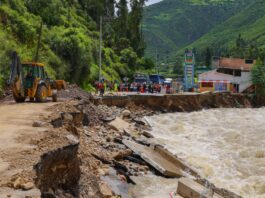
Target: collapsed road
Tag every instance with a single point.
(68, 149)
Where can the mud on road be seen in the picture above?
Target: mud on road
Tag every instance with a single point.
(16, 135)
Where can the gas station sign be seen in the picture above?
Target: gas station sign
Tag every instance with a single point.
(189, 70)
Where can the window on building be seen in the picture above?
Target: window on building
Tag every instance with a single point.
(207, 84)
(249, 61)
(237, 73)
(221, 86)
(229, 71)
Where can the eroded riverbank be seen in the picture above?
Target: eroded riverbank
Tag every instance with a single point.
(80, 130)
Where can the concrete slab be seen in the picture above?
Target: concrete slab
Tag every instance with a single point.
(119, 124)
(191, 189)
(161, 163)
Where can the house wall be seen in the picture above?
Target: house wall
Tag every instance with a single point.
(244, 80)
(229, 87)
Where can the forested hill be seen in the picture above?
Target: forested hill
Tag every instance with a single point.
(70, 37)
(242, 35)
(173, 24)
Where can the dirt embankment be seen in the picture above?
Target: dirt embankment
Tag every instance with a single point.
(180, 103)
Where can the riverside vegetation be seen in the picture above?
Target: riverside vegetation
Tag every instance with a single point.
(70, 37)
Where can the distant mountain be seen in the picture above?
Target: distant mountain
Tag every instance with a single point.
(173, 24)
(249, 23)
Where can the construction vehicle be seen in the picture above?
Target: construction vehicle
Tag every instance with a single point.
(30, 80)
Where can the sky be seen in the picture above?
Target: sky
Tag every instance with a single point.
(152, 2)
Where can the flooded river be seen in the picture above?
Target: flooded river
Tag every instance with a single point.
(226, 146)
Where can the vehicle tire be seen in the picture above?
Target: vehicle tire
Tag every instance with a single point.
(19, 99)
(41, 95)
(54, 98)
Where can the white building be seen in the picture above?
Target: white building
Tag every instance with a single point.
(230, 74)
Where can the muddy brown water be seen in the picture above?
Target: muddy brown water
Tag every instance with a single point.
(226, 146)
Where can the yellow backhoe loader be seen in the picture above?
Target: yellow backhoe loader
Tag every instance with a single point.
(30, 80)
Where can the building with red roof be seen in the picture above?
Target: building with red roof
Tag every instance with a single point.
(230, 74)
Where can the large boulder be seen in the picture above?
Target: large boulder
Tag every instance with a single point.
(119, 125)
(126, 114)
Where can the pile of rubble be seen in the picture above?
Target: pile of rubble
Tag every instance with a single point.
(84, 141)
(73, 91)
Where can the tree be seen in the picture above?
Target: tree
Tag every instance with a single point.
(178, 66)
(93, 8)
(48, 10)
(75, 48)
(109, 9)
(135, 22)
(122, 44)
(258, 74)
(146, 63)
(208, 57)
(240, 42)
(70, 4)
(122, 19)
(129, 57)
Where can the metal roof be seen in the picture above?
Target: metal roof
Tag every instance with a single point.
(213, 75)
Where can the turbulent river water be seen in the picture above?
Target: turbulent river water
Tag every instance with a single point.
(226, 146)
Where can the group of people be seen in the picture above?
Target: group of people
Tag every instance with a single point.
(107, 86)
(154, 88)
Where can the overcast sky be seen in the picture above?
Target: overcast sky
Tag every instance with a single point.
(152, 2)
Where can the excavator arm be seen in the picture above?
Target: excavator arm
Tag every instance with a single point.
(16, 77)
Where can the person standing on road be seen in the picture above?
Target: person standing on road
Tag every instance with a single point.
(116, 87)
(150, 88)
(105, 85)
(138, 87)
(101, 88)
(144, 87)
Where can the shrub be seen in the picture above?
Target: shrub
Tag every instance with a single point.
(258, 74)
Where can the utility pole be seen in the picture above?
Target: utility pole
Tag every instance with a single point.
(157, 66)
(100, 49)
(39, 43)
(107, 17)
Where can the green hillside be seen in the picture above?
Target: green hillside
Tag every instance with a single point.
(70, 37)
(249, 24)
(173, 24)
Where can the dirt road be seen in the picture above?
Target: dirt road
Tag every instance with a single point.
(16, 134)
